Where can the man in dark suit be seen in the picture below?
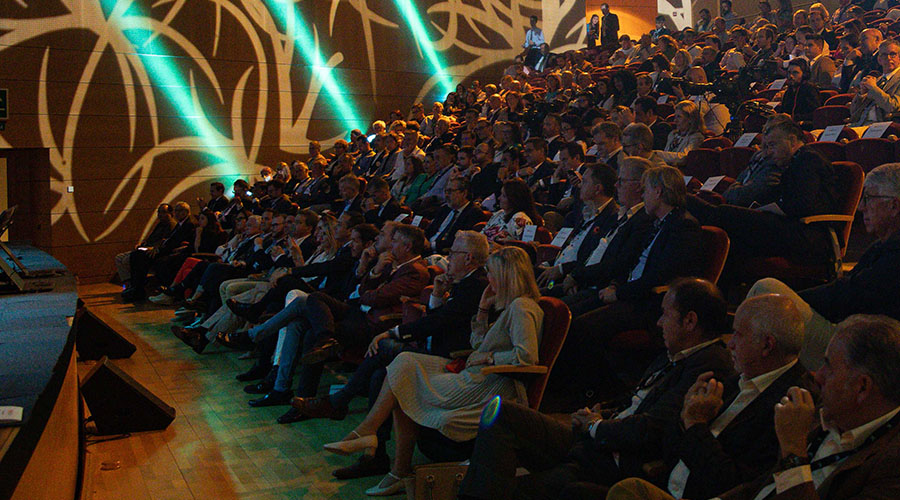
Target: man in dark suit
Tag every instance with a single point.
(217, 199)
(276, 200)
(551, 129)
(486, 182)
(597, 448)
(140, 261)
(543, 58)
(444, 329)
(596, 192)
(645, 112)
(855, 453)
(608, 138)
(384, 206)
(442, 135)
(351, 198)
(541, 166)
(320, 190)
(807, 188)
(609, 27)
(725, 435)
(458, 214)
(626, 300)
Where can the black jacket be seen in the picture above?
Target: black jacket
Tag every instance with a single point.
(871, 287)
(391, 210)
(603, 224)
(336, 272)
(450, 324)
(471, 215)
(639, 438)
(744, 449)
(622, 252)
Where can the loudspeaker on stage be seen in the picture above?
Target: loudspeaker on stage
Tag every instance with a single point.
(119, 404)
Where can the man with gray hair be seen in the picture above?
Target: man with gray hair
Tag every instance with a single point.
(879, 97)
(637, 140)
(725, 434)
(855, 451)
(871, 287)
(443, 329)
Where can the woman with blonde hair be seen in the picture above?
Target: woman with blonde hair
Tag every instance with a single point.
(428, 391)
(687, 135)
(681, 63)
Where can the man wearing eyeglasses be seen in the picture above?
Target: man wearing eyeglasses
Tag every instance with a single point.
(871, 287)
(458, 214)
(879, 97)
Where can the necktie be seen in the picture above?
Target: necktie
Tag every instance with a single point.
(881, 82)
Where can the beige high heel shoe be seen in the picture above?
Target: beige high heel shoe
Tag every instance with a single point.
(349, 446)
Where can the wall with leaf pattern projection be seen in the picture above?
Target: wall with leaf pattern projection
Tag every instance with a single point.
(146, 101)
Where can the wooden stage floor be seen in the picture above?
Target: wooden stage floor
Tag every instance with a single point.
(217, 447)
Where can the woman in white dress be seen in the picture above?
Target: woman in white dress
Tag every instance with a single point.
(420, 390)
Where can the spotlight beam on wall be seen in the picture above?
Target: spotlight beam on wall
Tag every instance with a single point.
(417, 26)
(296, 28)
(163, 68)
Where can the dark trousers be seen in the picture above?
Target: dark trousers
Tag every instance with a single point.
(520, 436)
(345, 322)
(213, 276)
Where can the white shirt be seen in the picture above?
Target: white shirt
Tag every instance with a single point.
(597, 254)
(750, 390)
(570, 253)
(533, 38)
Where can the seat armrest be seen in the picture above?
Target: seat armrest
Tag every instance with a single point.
(826, 218)
(510, 369)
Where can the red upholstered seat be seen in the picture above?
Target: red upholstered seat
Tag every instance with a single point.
(870, 153)
(839, 100)
(702, 163)
(716, 142)
(825, 116)
(733, 160)
(832, 151)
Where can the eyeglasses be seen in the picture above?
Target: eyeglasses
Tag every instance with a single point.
(454, 252)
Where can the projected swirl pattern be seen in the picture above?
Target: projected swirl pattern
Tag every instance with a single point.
(142, 102)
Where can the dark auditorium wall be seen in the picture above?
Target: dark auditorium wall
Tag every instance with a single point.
(132, 120)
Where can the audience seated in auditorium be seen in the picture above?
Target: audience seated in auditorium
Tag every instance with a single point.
(596, 450)
(854, 450)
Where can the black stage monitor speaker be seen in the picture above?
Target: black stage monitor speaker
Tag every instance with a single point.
(119, 404)
(95, 339)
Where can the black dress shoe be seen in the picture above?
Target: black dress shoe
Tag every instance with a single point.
(327, 349)
(239, 341)
(374, 465)
(273, 398)
(256, 372)
(133, 294)
(249, 312)
(262, 387)
(292, 415)
(198, 343)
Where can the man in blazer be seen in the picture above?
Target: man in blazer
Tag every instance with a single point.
(444, 328)
(458, 214)
(541, 166)
(599, 448)
(141, 261)
(596, 192)
(855, 453)
(711, 451)
(879, 97)
(670, 249)
(807, 188)
(385, 206)
(821, 67)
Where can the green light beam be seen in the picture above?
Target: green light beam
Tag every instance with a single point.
(296, 29)
(412, 17)
(161, 68)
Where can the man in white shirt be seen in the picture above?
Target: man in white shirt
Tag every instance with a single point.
(855, 452)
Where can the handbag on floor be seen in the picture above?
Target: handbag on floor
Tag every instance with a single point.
(435, 481)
